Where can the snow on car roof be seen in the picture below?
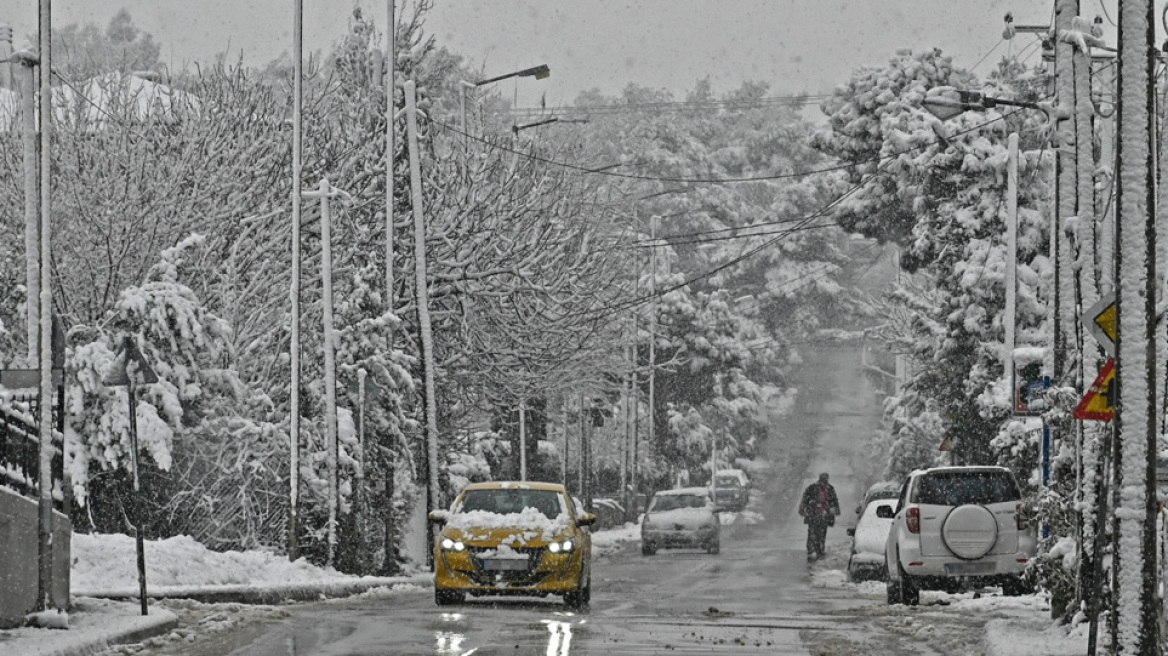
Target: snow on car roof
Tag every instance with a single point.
(700, 491)
(518, 485)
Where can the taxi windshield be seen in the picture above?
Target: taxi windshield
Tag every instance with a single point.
(511, 501)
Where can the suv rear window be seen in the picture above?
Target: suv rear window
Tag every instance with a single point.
(959, 488)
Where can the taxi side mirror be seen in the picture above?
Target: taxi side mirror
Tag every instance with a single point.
(587, 519)
(439, 516)
(885, 512)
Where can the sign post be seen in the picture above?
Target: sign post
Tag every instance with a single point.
(131, 369)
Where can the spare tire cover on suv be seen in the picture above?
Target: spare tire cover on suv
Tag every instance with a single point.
(970, 531)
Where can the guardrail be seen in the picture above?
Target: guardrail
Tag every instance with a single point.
(20, 454)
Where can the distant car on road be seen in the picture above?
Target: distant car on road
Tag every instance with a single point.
(681, 518)
(731, 489)
(513, 538)
(868, 538)
(954, 523)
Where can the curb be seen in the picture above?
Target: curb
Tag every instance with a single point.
(144, 633)
(265, 595)
(98, 643)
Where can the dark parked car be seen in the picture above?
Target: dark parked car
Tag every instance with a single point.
(731, 489)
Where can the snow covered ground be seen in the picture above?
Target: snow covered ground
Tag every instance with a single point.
(106, 565)
(107, 562)
(971, 623)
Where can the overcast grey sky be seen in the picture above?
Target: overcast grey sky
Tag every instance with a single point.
(795, 45)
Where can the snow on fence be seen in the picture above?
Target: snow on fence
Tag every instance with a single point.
(20, 454)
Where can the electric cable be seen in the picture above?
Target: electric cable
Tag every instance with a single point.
(778, 176)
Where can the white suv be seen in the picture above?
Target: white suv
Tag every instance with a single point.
(954, 523)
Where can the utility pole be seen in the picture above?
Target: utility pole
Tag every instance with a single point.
(586, 456)
(325, 192)
(294, 291)
(390, 567)
(1135, 599)
(626, 443)
(522, 440)
(45, 402)
(391, 30)
(28, 71)
(652, 330)
(423, 300)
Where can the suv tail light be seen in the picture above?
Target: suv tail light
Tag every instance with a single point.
(913, 518)
(1020, 516)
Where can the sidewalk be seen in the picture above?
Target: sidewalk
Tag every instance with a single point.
(100, 619)
(94, 626)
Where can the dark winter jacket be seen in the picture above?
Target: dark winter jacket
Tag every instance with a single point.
(808, 506)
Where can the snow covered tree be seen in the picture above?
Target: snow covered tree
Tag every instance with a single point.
(938, 190)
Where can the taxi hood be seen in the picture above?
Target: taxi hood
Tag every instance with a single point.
(529, 528)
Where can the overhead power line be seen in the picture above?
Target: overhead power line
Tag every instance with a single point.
(669, 106)
(608, 171)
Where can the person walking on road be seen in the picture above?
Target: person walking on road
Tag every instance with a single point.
(818, 508)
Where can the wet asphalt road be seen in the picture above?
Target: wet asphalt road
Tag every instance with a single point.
(753, 598)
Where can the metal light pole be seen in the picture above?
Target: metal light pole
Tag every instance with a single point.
(294, 291)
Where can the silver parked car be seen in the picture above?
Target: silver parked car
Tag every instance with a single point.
(868, 538)
(681, 518)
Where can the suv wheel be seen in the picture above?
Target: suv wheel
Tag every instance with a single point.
(893, 588)
(1016, 586)
(648, 549)
(904, 591)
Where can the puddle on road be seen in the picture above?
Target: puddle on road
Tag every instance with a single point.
(560, 640)
(456, 637)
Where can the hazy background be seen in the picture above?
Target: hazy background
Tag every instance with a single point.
(795, 45)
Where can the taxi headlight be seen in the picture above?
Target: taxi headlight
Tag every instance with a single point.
(562, 547)
(452, 545)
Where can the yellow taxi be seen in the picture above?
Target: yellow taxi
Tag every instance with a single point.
(513, 538)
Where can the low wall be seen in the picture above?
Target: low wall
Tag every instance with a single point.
(18, 558)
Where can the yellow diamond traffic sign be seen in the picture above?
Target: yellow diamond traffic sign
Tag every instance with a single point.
(1102, 321)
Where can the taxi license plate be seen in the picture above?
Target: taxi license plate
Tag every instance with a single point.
(505, 565)
(969, 568)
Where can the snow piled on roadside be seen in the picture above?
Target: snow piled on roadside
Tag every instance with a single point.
(103, 562)
(109, 561)
(1036, 637)
(610, 541)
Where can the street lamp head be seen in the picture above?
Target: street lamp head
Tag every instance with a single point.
(947, 102)
(538, 72)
